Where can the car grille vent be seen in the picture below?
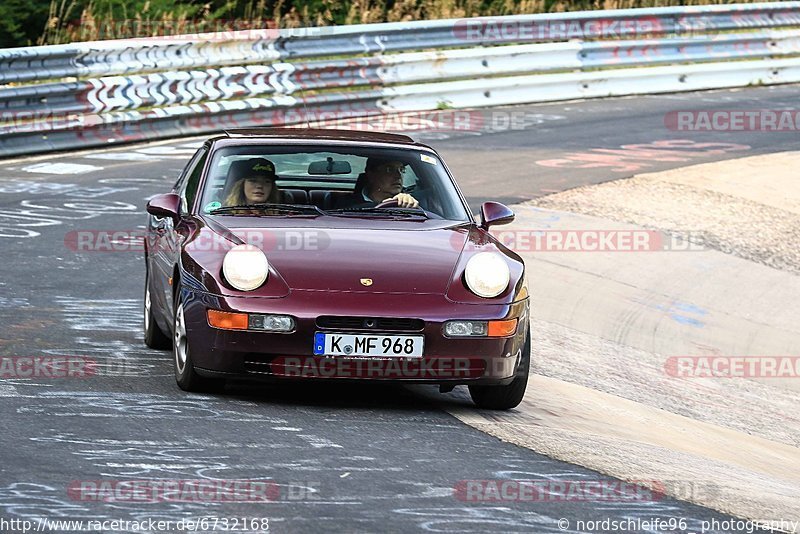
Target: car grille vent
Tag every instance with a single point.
(370, 323)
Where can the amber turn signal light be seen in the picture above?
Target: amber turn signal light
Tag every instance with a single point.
(227, 320)
(502, 328)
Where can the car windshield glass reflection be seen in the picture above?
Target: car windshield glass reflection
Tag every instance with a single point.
(366, 182)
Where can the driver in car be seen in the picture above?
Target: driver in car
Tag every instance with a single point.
(381, 180)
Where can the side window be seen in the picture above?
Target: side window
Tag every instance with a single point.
(186, 170)
(193, 182)
(190, 180)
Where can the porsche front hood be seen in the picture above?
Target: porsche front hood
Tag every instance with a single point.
(369, 260)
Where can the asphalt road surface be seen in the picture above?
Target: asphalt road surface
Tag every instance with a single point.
(353, 458)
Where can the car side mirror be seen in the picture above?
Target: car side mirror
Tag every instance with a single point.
(167, 205)
(494, 213)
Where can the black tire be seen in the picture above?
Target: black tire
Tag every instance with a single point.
(185, 374)
(509, 396)
(154, 337)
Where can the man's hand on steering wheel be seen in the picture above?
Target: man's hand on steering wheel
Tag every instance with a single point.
(404, 200)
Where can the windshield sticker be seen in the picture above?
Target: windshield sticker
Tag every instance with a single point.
(211, 206)
(427, 159)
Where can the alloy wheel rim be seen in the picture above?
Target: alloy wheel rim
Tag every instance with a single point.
(147, 305)
(181, 348)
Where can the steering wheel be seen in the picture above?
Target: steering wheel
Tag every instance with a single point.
(389, 203)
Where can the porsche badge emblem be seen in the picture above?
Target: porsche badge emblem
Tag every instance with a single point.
(366, 282)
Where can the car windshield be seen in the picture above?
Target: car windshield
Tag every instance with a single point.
(369, 182)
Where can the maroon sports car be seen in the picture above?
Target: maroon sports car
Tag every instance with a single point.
(328, 254)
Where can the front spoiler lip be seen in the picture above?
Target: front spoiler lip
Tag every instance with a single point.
(277, 379)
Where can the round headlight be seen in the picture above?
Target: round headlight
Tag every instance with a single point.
(245, 267)
(487, 274)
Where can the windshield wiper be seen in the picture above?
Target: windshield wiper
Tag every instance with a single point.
(403, 212)
(266, 207)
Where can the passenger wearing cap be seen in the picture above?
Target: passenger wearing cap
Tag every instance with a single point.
(252, 181)
(382, 180)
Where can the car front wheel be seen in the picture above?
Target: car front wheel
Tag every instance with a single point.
(508, 396)
(185, 374)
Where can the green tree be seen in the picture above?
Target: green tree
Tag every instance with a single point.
(22, 21)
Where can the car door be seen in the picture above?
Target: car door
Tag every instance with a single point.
(168, 237)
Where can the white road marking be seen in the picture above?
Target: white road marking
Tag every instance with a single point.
(98, 314)
(120, 156)
(8, 391)
(61, 168)
(320, 443)
(167, 151)
(14, 302)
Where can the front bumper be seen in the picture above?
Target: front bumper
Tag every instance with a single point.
(265, 355)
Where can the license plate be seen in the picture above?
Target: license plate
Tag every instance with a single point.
(368, 345)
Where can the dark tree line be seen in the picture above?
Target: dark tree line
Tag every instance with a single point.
(34, 22)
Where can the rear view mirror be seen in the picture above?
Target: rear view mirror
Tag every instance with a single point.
(330, 166)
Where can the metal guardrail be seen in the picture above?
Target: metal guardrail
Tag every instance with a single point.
(185, 87)
(246, 80)
(247, 47)
(621, 82)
